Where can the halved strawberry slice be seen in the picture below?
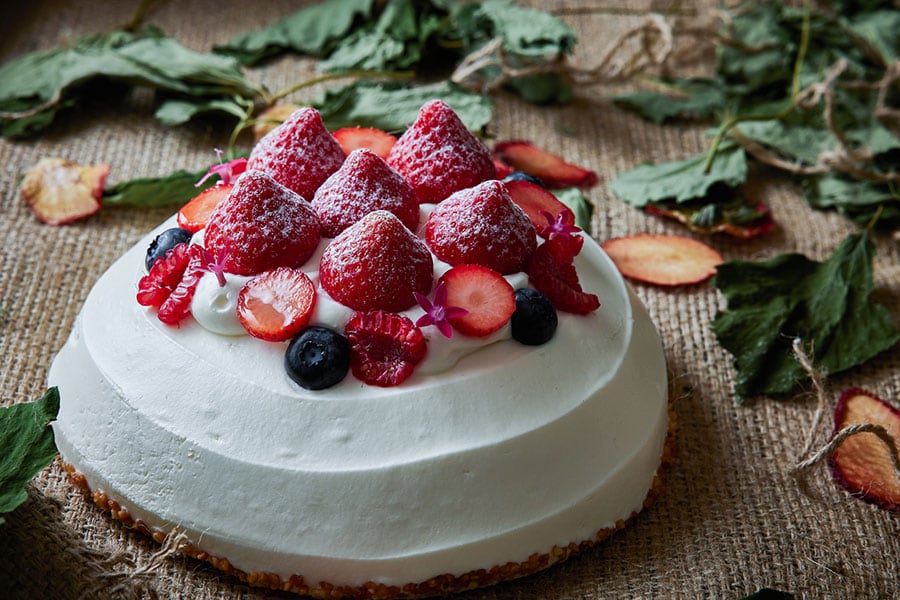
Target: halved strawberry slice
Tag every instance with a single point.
(549, 168)
(378, 141)
(489, 299)
(277, 304)
(863, 463)
(663, 259)
(385, 347)
(194, 215)
(536, 201)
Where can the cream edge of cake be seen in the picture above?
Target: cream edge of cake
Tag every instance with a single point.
(511, 452)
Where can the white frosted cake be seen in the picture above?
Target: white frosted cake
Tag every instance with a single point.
(490, 460)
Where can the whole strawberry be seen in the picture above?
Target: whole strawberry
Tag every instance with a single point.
(438, 155)
(376, 264)
(262, 225)
(363, 184)
(299, 153)
(482, 226)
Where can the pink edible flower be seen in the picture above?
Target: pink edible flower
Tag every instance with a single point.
(214, 264)
(227, 171)
(562, 224)
(436, 311)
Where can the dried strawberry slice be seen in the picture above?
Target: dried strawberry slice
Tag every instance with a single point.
(60, 191)
(862, 464)
(385, 347)
(549, 168)
(667, 260)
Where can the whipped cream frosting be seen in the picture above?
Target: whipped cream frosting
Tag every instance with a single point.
(513, 450)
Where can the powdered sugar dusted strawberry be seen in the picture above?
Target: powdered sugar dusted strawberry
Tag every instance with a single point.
(384, 347)
(363, 184)
(299, 153)
(481, 225)
(376, 264)
(262, 225)
(439, 156)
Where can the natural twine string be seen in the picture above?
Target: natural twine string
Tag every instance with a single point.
(120, 577)
(799, 469)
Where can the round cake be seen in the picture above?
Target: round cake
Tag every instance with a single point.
(489, 460)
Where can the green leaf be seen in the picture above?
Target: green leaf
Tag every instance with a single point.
(691, 99)
(36, 86)
(578, 204)
(859, 200)
(149, 192)
(824, 304)
(879, 28)
(527, 32)
(796, 142)
(542, 88)
(392, 106)
(396, 41)
(28, 447)
(681, 180)
(179, 111)
(314, 30)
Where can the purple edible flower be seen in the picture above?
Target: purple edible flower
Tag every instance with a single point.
(436, 311)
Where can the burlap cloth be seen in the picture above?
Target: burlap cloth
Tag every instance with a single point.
(731, 519)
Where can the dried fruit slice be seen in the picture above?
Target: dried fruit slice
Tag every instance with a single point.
(862, 464)
(385, 347)
(535, 201)
(551, 169)
(194, 215)
(663, 259)
(60, 191)
(353, 138)
(277, 304)
(488, 299)
(738, 219)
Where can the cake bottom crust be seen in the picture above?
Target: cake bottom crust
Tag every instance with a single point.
(435, 586)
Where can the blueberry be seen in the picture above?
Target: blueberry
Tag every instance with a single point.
(534, 321)
(523, 176)
(317, 358)
(164, 242)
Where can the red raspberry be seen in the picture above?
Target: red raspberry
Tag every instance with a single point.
(551, 271)
(482, 226)
(262, 225)
(299, 154)
(376, 264)
(439, 156)
(363, 184)
(384, 347)
(171, 282)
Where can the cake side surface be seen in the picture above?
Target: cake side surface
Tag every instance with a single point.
(513, 452)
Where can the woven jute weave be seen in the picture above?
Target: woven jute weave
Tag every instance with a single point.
(731, 519)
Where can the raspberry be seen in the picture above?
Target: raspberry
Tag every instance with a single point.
(171, 282)
(439, 156)
(483, 226)
(384, 347)
(552, 272)
(262, 225)
(299, 154)
(363, 184)
(376, 264)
